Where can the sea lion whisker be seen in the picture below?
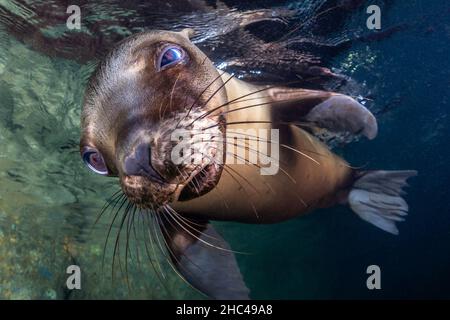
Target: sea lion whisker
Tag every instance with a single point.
(279, 167)
(181, 216)
(213, 94)
(163, 105)
(267, 103)
(223, 198)
(125, 227)
(236, 123)
(116, 244)
(194, 182)
(249, 99)
(305, 124)
(226, 169)
(127, 239)
(164, 228)
(160, 223)
(136, 222)
(150, 259)
(201, 240)
(186, 177)
(151, 237)
(133, 220)
(154, 224)
(302, 153)
(130, 215)
(122, 203)
(206, 113)
(165, 232)
(113, 199)
(246, 147)
(281, 145)
(283, 171)
(171, 95)
(259, 167)
(198, 98)
(247, 163)
(218, 89)
(186, 222)
(160, 109)
(279, 160)
(224, 165)
(157, 229)
(157, 221)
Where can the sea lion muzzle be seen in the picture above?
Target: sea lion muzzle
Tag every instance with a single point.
(139, 164)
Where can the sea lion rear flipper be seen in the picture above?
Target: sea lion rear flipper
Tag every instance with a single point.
(332, 111)
(203, 258)
(376, 197)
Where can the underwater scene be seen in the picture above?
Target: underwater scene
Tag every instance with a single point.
(96, 88)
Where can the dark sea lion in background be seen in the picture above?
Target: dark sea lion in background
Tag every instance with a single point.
(106, 22)
(298, 40)
(156, 82)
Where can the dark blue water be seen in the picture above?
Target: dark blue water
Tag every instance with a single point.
(325, 255)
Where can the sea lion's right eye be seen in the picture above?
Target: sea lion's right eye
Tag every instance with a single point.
(170, 56)
(94, 161)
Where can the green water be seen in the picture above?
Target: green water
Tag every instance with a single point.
(48, 200)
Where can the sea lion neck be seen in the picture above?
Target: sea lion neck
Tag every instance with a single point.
(246, 101)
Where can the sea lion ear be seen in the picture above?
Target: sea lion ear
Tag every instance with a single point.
(188, 32)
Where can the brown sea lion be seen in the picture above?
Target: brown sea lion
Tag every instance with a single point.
(157, 83)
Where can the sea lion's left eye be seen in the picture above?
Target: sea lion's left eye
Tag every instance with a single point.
(94, 161)
(170, 56)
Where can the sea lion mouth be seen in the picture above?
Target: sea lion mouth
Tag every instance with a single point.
(145, 193)
(187, 160)
(201, 182)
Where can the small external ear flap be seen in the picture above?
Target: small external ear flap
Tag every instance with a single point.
(188, 32)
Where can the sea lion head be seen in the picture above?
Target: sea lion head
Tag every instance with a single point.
(153, 93)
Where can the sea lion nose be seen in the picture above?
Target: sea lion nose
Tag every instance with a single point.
(138, 163)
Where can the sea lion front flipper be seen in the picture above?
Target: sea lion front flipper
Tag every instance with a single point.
(203, 258)
(332, 111)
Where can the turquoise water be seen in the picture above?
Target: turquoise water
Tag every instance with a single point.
(49, 201)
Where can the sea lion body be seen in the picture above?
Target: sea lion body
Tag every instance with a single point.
(299, 186)
(154, 84)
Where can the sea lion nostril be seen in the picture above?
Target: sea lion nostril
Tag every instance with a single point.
(139, 164)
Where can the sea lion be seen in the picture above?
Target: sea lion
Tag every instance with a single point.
(155, 83)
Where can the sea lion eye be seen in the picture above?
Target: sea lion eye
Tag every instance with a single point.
(170, 56)
(94, 161)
